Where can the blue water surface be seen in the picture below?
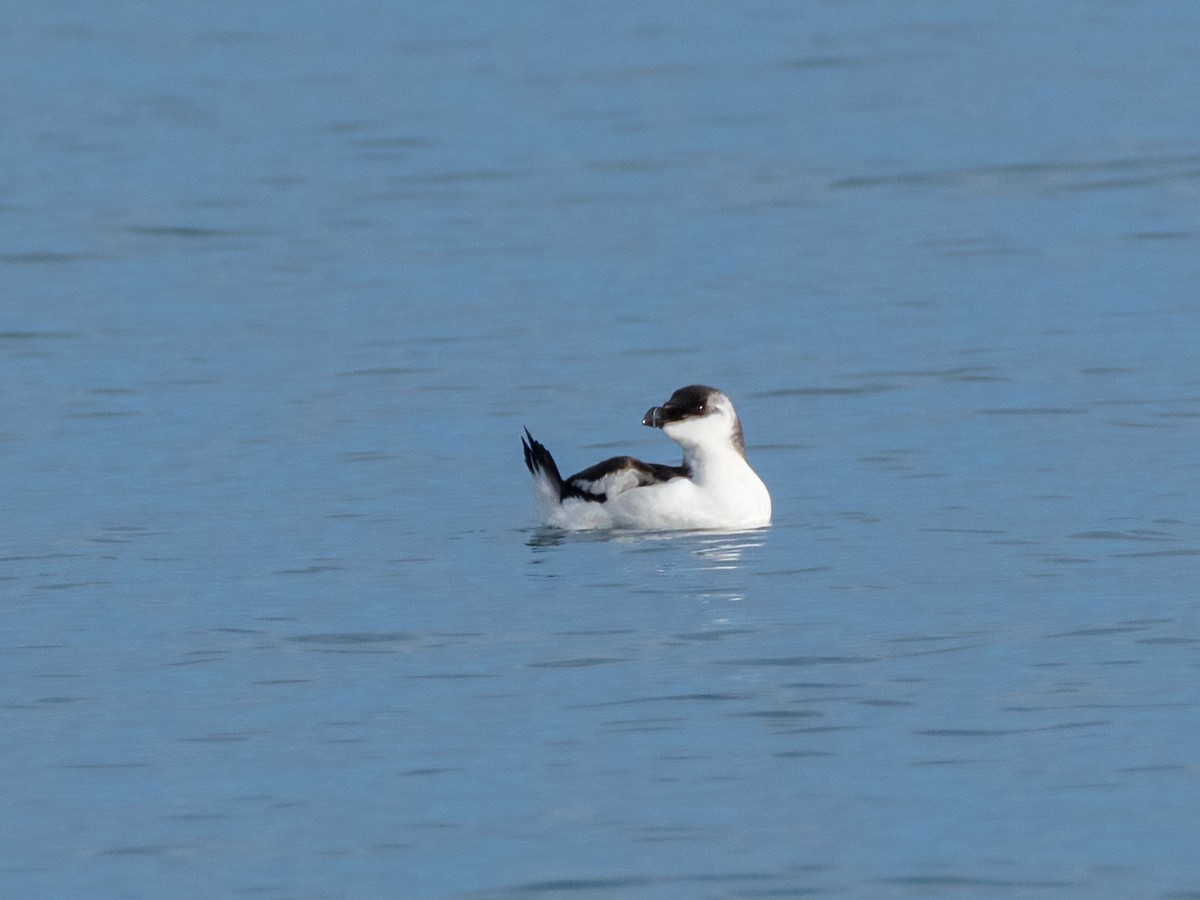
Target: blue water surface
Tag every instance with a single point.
(280, 284)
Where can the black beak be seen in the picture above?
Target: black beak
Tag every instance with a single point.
(653, 417)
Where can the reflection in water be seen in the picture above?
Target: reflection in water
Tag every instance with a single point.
(712, 549)
(708, 568)
(725, 551)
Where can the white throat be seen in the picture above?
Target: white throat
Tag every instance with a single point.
(709, 446)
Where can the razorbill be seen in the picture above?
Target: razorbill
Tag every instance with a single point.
(714, 486)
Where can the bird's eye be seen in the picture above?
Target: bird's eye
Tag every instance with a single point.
(700, 408)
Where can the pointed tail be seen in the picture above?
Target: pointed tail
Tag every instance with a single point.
(541, 465)
(548, 487)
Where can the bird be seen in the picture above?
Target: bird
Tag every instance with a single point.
(712, 488)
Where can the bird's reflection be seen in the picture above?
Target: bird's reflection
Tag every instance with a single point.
(725, 550)
(711, 549)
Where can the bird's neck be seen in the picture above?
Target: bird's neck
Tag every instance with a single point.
(705, 461)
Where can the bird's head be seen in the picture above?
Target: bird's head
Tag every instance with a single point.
(698, 418)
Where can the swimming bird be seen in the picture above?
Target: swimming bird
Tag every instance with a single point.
(714, 487)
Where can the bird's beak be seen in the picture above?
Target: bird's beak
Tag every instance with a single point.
(653, 417)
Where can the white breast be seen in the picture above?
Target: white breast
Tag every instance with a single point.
(737, 498)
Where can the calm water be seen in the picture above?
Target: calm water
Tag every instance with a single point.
(279, 286)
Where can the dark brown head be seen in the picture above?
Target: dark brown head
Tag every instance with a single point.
(698, 417)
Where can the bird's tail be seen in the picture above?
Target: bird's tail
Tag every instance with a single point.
(547, 482)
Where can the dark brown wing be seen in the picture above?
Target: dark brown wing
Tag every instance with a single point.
(606, 479)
